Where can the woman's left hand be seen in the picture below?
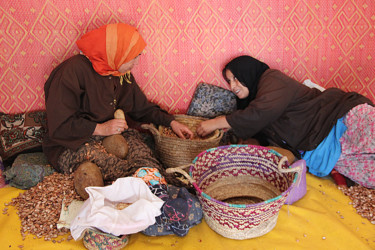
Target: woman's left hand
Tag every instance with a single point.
(181, 130)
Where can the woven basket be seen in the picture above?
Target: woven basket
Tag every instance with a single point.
(255, 175)
(175, 151)
(97, 240)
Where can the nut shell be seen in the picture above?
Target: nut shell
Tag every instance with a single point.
(119, 114)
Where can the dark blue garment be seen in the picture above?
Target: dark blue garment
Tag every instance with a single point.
(179, 213)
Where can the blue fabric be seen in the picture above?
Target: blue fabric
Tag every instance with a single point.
(323, 159)
(180, 212)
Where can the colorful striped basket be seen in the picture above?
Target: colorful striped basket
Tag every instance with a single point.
(97, 240)
(257, 176)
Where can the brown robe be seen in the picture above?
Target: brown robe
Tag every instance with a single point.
(77, 98)
(290, 114)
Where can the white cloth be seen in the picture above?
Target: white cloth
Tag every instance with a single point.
(310, 84)
(99, 210)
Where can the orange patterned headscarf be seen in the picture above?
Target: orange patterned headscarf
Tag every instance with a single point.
(110, 46)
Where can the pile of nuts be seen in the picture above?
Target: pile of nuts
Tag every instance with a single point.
(166, 131)
(363, 200)
(39, 207)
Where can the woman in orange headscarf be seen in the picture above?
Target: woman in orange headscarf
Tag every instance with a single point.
(82, 94)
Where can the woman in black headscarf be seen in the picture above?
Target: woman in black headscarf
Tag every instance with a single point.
(247, 70)
(293, 116)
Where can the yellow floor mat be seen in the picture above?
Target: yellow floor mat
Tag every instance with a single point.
(323, 219)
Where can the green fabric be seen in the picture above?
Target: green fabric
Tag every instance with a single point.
(28, 170)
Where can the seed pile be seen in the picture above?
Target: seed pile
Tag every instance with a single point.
(39, 207)
(363, 200)
(166, 131)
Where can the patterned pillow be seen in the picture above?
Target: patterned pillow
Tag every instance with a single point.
(21, 132)
(210, 101)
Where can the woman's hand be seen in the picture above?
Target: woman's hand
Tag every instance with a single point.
(111, 127)
(207, 127)
(181, 130)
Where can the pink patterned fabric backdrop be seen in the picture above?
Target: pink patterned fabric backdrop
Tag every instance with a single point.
(330, 42)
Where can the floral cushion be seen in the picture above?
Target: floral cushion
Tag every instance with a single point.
(210, 101)
(21, 132)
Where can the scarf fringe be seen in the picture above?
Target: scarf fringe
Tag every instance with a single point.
(125, 77)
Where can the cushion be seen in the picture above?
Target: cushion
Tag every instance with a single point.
(210, 101)
(21, 132)
(28, 170)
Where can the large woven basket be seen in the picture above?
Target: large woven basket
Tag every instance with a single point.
(257, 176)
(175, 151)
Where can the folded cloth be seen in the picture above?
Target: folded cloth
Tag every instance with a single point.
(68, 215)
(101, 209)
(180, 212)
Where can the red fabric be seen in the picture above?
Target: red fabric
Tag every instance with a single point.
(338, 178)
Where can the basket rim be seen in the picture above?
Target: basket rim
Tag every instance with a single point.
(206, 196)
(218, 133)
(217, 136)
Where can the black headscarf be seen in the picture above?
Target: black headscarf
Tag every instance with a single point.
(248, 71)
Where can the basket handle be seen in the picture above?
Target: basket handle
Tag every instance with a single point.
(151, 127)
(297, 168)
(181, 171)
(221, 133)
(285, 170)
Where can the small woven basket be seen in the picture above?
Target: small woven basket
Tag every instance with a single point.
(255, 175)
(175, 151)
(97, 240)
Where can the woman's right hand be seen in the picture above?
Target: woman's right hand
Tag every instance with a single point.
(208, 126)
(111, 127)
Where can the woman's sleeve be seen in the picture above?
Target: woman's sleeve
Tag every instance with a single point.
(270, 103)
(66, 125)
